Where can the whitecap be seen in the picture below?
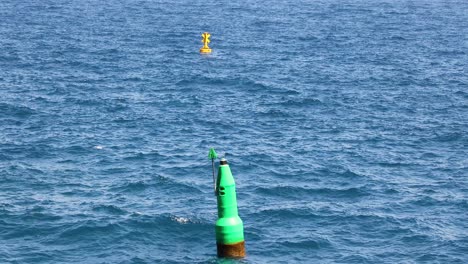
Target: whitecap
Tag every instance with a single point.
(181, 220)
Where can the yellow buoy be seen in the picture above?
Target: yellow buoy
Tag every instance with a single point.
(205, 40)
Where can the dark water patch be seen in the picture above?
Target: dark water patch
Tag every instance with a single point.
(415, 239)
(398, 38)
(463, 204)
(88, 192)
(9, 58)
(391, 191)
(301, 102)
(77, 150)
(354, 258)
(274, 113)
(85, 102)
(429, 191)
(204, 80)
(115, 171)
(109, 209)
(303, 244)
(241, 83)
(286, 213)
(37, 214)
(450, 52)
(462, 94)
(434, 257)
(394, 164)
(338, 172)
(113, 108)
(27, 230)
(429, 155)
(36, 257)
(307, 38)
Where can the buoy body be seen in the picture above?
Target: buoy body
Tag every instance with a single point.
(205, 40)
(229, 227)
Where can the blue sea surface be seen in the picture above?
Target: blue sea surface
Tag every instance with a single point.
(345, 124)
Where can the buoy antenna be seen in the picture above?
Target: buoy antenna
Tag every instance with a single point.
(212, 155)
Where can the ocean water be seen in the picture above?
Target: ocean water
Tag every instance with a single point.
(345, 124)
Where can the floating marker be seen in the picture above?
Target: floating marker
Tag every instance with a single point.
(205, 40)
(229, 227)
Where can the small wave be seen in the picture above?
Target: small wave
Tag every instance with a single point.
(393, 164)
(450, 52)
(116, 107)
(158, 182)
(133, 186)
(339, 172)
(448, 137)
(88, 230)
(105, 51)
(6, 205)
(274, 113)
(204, 80)
(9, 58)
(396, 38)
(308, 244)
(152, 156)
(431, 257)
(350, 174)
(114, 170)
(84, 101)
(308, 38)
(247, 84)
(8, 110)
(286, 213)
(429, 155)
(301, 102)
(391, 191)
(39, 213)
(415, 238)
(290, 191)
(426, 201)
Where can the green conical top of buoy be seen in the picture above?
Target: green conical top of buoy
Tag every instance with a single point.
(212, 154)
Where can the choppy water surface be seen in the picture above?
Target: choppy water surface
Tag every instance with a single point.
(345, 124)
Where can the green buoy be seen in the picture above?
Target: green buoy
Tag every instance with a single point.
(229, 227)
